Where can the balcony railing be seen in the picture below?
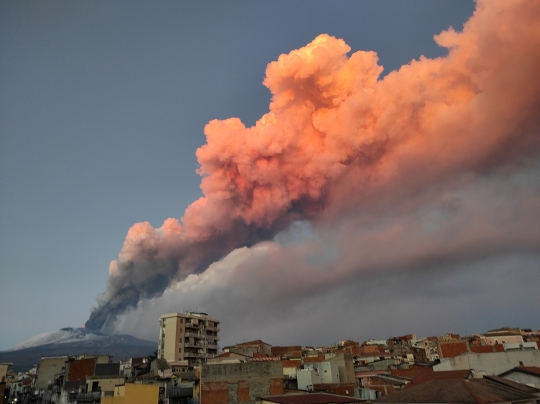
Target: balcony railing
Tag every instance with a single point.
(89, 397)
(197, 345)
(192, 334)
(193, 355)
(180, 391)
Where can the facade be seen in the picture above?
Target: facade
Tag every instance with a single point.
(493, 363)
(187, 336)
(133, 394)
(306, 378)
(47, 369)
(239, 382)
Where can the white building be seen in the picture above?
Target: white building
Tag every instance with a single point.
(306, 378)
(328, 372)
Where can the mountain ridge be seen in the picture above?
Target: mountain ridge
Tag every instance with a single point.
(75, 341)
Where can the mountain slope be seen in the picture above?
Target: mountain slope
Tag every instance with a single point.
(75, 341)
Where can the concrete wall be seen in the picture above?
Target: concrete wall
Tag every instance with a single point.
(48, 367)
(133, 394)
(174, 339)
(345, 367)
(306, 378)
(105, 384)
(240, 382)
(493, 363)
(3, 371)
(328, 371)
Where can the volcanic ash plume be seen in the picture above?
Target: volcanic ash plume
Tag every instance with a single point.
(337, 137)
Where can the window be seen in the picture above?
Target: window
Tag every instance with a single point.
(179, 350)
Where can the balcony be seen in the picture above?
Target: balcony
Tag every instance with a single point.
(192, 334)
(90, 397)
(180, 391)
(194, 345)
(193, 355)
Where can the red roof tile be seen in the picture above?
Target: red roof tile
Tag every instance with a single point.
(475, 391)
(313, 398)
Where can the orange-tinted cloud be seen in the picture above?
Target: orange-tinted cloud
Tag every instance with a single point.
(338, 137)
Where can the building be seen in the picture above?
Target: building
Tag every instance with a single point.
(250, 348)
(187, 336)
(481, 391)
(493, 363)
(47, 369)
(311, 398)
(525, 375)
(133, 394)
(240, 382)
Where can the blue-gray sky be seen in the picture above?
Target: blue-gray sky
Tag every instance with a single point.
(103, 104)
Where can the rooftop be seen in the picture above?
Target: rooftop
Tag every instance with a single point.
(312, 398)
(481, 391)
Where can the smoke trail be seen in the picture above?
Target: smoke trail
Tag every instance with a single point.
(336, 135)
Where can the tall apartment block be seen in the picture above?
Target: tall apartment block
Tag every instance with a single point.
(187, 336)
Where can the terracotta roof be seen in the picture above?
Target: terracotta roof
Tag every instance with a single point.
(531, 370)
(516, 385)
(393, 380)
(313, 398)
(424, 377)
(481, 391)
(256, 342)
(410, 373)
(266, 359)
(228, 355)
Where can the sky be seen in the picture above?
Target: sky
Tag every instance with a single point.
(380, 182)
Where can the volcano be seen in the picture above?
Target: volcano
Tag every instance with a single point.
(75, 341)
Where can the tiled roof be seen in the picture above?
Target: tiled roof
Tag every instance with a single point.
(424, 377)
(531, 370)
(516, 385)
(481, 391)
(256, 342)
(161, 364)
(228, 355)
(393, 380)
(313, 398)
(266, 359)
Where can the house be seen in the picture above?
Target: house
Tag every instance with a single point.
(240, 382)
(529, 375)
(3, 376)
(286, 352)
(309, 398)
(492, 363)
(345, 365)
(47, 369)
(481, 391)
(133, 394)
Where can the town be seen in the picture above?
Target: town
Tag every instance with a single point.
(501, 365)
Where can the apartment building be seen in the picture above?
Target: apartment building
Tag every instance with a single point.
(188, 336)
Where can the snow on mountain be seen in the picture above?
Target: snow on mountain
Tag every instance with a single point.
(61, 336)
